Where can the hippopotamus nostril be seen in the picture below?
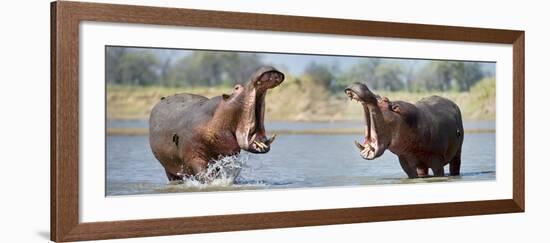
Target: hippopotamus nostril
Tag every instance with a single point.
(176, 139)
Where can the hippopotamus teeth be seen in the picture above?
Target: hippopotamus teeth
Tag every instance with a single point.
(253, 138)
(260, 144)
(365, 154)
(353, 96)
(364, 148)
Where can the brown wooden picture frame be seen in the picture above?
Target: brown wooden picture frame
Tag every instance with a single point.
(65, 19)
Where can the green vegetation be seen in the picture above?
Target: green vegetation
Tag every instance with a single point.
(379, 73)
(130, 66)
(299, 99)
(138, 77)
(446, 75)
(149, 67)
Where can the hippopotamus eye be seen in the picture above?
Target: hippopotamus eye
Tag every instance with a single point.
(237, 87)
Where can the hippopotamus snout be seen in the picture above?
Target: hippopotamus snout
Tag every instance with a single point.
(250, 132)
(376, 140)
(360, 92)
(266, 78)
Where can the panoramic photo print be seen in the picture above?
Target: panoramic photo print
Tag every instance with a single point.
(183, 120)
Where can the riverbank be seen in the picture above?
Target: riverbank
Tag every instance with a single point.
(342, 131)
(140, 128)
(298, 99)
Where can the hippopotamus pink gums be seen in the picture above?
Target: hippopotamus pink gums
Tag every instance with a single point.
(425, 135)
(187, 131)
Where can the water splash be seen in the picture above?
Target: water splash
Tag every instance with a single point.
(221, 172)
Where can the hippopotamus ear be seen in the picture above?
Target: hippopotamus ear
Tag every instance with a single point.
(395, 108)
(391, 105)
(407, 111)
(225, 96)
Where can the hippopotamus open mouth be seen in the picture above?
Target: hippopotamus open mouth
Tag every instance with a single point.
(373, 145)
(250, 133)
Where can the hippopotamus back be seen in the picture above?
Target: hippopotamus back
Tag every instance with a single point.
(442, 120)
(172, 123)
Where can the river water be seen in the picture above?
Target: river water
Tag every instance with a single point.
(295, 161)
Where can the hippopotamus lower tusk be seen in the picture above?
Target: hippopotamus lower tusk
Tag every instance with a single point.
(359, 146)
(271, 139)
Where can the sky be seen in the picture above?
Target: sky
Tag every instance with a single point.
(296, 63)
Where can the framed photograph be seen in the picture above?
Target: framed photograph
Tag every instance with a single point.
(176, 121)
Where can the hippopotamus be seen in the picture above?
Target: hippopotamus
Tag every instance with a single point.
(187, 131)
(425, 135)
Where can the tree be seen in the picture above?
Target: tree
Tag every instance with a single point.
(238, 67)
(377, 73)
(435, 75)
(467, 74)
(447, 75)
(138, 68)
(388, 76)
(165, 72)
(195, 69)
(112, 60)
(320, 73)
(130, 66)
(203, 68)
